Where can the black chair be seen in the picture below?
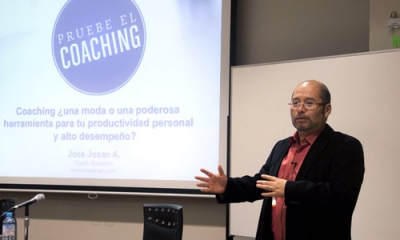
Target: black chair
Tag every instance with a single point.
(162, 221)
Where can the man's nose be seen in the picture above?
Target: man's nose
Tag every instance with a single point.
(301, 107)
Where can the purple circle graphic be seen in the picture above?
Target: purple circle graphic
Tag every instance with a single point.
(98, 45)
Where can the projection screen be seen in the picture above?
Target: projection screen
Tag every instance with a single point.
(112, 96)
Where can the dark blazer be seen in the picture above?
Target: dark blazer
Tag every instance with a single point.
(321, 201)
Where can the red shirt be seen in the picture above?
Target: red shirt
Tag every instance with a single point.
(289, 168)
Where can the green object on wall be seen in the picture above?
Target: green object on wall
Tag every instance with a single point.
(396, 41)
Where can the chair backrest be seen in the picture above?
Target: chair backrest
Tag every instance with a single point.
(162, 221)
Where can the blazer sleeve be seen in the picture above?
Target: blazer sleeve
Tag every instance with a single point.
(242, 189)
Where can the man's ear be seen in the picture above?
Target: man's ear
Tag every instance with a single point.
(327, 109)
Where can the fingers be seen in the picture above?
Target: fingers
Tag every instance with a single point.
(212, 182)
(273, 186)
(205, 190)
(203, 185)
(206, 172)
(203, 179)
(265, 185)
(268, 177)
(269, 194)
(221, 170)
(210, 174)
(268, 184)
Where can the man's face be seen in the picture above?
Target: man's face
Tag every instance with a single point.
(306, 120)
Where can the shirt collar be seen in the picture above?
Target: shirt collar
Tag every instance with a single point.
(310, 139)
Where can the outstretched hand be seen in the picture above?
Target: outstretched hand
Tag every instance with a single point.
(213, 183)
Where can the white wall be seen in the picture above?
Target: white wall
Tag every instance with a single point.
(352, 79)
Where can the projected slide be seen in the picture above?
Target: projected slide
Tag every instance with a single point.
(115, 89)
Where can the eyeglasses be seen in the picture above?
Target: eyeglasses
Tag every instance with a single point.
(307, 105)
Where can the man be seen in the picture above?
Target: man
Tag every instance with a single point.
(310, 182)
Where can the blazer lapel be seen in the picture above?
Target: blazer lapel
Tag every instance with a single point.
(314, 152)
(279, 158)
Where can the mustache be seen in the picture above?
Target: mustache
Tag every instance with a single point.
(301, 117)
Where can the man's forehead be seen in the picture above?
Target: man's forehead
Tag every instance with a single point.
(309, 91)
